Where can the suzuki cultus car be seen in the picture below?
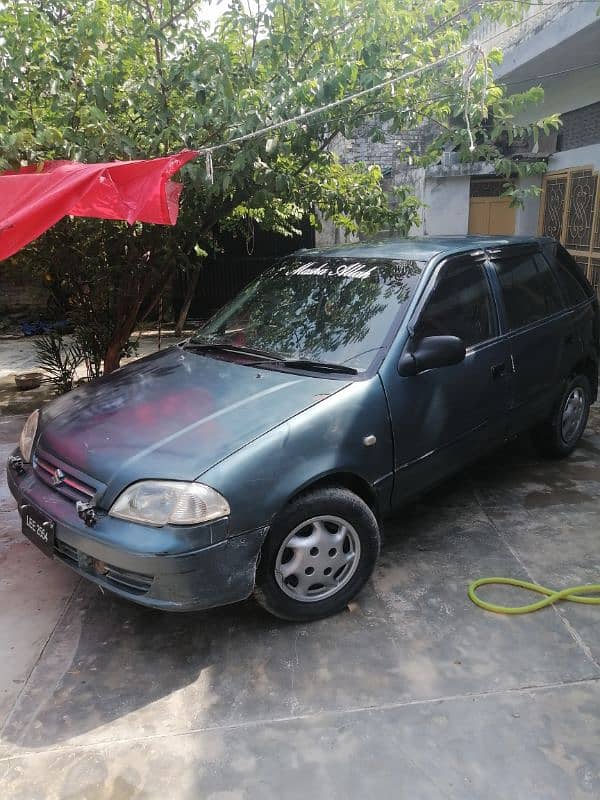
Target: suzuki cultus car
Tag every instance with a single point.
(261, 455)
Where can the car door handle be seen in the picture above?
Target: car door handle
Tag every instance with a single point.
(498, 370)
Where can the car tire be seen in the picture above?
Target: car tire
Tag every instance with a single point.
(559, 435)
(319, 553)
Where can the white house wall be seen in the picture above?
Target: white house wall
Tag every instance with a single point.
(526, 218)
(562, 93)
(580, 157)
(447, 206)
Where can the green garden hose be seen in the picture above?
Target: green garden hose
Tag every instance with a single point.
(573, 594)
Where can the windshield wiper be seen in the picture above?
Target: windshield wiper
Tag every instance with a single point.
(309, 364)
(263, 357)
(232, 348)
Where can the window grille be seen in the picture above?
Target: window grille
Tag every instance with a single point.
(570, 212)
(582, 197)
(554, 195)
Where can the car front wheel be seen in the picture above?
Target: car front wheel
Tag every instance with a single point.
(319, 553)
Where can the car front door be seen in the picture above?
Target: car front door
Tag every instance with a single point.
(442, 418)
(542, 333)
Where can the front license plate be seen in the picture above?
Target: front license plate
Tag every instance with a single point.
(39, 529)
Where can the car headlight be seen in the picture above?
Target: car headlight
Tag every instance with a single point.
(160, 503)
(28, 435)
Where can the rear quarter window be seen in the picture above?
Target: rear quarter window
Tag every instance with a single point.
(573, 284)
(529, 289)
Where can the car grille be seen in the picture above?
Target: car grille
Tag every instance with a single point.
(132, 582)
(59, 478)
(66, 552)
(126, 580)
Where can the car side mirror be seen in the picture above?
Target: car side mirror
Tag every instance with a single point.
(432, 352)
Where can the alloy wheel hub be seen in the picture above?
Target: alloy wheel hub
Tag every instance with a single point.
(572, 415)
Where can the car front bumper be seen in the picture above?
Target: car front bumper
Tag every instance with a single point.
(175, 569)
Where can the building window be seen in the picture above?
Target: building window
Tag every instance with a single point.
(582, 196)
(554, 195)
(580, 128)
(570, 212)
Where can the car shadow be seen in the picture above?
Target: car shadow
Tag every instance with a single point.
(109, 659)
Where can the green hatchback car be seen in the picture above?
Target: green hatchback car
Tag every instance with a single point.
(261, 455)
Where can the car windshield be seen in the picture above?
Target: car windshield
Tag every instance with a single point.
(330, 310)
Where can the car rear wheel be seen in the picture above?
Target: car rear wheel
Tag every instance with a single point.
(559, 435)
(318, 555)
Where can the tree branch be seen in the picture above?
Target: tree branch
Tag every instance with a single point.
(181, 13)
(159, 60)
(256, 27)
(285, 30)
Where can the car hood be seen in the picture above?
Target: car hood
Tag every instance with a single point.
(172, 415)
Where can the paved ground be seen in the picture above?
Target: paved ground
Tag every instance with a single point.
(19, 356)
(413, 693)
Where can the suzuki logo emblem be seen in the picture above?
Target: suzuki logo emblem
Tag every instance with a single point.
(57, 477)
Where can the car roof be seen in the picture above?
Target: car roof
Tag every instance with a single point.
(416, 248)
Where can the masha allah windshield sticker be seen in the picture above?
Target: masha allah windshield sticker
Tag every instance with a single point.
(357, 270)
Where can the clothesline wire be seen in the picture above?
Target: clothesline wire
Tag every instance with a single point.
(474, 48)
(349, 98)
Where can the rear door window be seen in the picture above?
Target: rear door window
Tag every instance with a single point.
(529, 289)
(460, 305)
(567, 272)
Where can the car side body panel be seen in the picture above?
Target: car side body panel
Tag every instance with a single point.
(319, 443)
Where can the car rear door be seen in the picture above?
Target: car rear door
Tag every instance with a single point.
(541, 331)
(443, 418)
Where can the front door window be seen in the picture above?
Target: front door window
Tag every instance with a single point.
(460, 305)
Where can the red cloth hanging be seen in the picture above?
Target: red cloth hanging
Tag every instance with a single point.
(32, 200)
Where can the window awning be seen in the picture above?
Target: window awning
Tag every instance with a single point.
(34, 199)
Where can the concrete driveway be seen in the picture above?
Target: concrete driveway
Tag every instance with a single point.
(413, 692)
